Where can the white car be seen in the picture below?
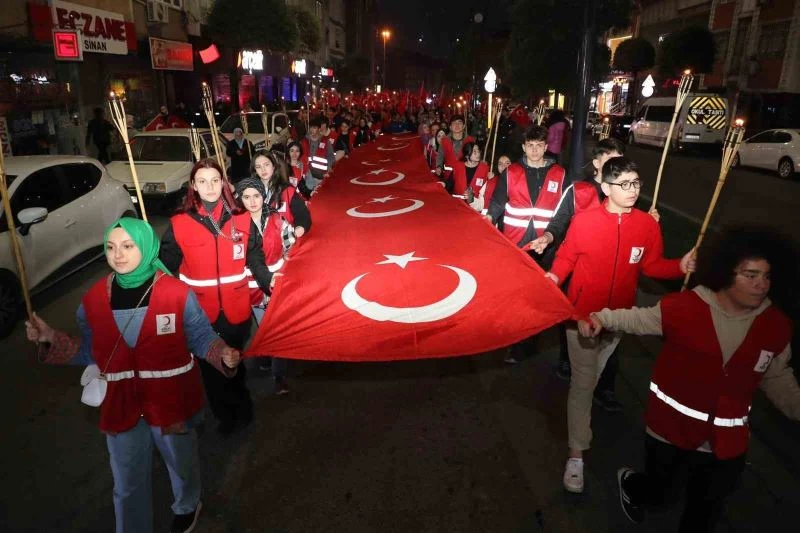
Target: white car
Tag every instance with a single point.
(777, 150)
(61, 205)
(163, 161)
(277, 124)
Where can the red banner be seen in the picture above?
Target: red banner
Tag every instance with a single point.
(395, 268)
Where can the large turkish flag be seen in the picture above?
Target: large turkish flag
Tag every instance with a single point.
(395, 268)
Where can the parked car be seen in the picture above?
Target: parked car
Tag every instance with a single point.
(702, 120)
(277, 126)
(61, 204)
(777, 150)
(163, 161)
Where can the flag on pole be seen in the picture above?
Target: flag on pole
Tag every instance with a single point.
(395, 268)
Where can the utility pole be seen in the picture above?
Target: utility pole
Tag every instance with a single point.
(582, 94)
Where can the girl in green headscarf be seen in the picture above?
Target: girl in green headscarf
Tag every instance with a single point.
(139, 330)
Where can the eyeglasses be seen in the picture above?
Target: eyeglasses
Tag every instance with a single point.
(626, 185)
(753, 275)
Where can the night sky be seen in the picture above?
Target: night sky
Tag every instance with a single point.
(438, 22)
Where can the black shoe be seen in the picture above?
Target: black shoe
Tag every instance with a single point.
(226, 427)
(634, 513)
(281, 387)
(607, 400)
(564, 370)
(184, 523)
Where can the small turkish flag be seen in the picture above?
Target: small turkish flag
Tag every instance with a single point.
(395, 268)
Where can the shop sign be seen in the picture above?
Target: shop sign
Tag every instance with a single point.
(251, 60)
(103, 32)
(5, 137)
(299, 67)
(326, 72)
(170, 55)
(67, 45)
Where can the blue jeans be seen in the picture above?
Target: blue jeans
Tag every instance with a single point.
(131, 455)
(279, 364)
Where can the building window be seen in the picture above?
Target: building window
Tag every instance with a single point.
(772, 42)
(742, 34)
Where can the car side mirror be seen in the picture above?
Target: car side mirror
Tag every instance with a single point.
(30, 216)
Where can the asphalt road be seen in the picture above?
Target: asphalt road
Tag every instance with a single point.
(459, 445)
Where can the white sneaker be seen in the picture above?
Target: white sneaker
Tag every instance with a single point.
(573, 475)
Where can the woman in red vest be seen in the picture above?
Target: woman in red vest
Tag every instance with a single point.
(210, 244)
(722, 340)
(267, 225)
(281, 196)
(141, 330)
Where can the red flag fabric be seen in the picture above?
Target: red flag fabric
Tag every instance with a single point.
(396, 268)
(521, 117)
(160, 123)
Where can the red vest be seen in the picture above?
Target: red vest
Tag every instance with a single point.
(285, 210)
(520, 210)
(585, 195)
(298, 173)
(450, 156)
(220, 284)
(272, 245)
(693, 397)
(133, 391)
(460, 177)
(319, 159)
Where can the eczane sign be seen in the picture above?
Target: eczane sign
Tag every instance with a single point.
(103, 32)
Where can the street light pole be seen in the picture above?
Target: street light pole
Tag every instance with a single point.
(385, 34)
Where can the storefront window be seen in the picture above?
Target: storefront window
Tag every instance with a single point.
(248, 92)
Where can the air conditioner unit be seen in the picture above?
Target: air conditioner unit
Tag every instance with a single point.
(157, 12)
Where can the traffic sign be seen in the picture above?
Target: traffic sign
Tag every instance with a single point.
(648, 86)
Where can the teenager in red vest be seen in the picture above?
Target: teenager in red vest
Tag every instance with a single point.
(210, 245)
(528, 192)
(299, 170)
(345, 141)
(605, 251)
(450, 150)
(281, 196)
(318, 150)
(144, 331)
(722, 340)
(470, 172)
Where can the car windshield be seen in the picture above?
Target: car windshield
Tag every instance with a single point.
(158, 148)
(254, 124)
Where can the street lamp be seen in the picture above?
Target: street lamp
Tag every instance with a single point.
(385, 34)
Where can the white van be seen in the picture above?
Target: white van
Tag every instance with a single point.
(702, 120)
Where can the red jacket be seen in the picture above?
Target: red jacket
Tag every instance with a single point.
(585, 195)
(161, 346)
(214, 266)
(450, 156)
(460, 177)
(606, 252)
(285, 210)
(520, 210)
(693, 397)
(298, 173)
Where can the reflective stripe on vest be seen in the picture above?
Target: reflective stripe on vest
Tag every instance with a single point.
(151, 374)
(319, 163)
(693, 413)
(528, 211)
(212, 282)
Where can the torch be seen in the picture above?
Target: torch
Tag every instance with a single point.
(265, 123)
(194, 140)
(605, 131)
(16, 248)
(246, 131)
(683, 91)
(496, 128)
(208, 107)
(539, 112)
(117, 109)
(732, 141)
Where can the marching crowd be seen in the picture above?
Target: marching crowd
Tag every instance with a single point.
(168, 323)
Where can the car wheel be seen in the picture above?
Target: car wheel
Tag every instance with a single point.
(785, 168)
(10, 302)
(736, 161)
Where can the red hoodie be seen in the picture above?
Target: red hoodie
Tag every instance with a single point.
(605, 252)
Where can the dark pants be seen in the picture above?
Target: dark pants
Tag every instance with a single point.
(228, 398)
(710, 481)
(102, 153)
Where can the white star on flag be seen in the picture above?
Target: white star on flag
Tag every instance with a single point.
(400, 260)
(378, 171)
(382, 200)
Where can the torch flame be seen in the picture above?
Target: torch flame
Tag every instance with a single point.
(739, 122)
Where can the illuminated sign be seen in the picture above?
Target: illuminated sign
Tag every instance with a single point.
(170, 55)
(299, 67)
(326, 72)
(210, 54)
(67, 45)
(251, 60)
(102, 32)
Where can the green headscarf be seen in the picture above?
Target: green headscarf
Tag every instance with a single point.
(146, 239)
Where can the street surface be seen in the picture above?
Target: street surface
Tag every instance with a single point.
(458, 445)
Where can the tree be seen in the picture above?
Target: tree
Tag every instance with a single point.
(544, 43)
(253, 24)
(634, 55)
(691, 47)
(309, 32)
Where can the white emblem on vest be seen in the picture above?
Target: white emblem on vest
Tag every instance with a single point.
(763, 361)
(165, 324)
(479, 182)
(552, 186)
(636, 254)
(238, 251)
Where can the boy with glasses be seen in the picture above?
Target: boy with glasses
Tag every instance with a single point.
(605, 250)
